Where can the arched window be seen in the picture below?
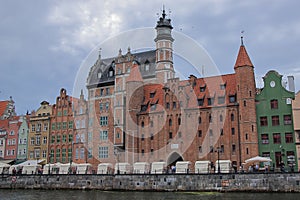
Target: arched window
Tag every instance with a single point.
(199, 120)
(179, 121)
(142, 124)
(232, 117)
(221, 118)
(170, 122)
(210, 118)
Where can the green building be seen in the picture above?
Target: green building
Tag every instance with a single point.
(275, 122)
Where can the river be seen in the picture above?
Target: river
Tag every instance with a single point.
(7, 194)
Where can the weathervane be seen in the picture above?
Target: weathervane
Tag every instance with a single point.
(242, 36)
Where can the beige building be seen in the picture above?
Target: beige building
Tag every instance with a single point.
(296, 116)
(39, 129)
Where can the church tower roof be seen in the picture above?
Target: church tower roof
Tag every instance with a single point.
(242, 59)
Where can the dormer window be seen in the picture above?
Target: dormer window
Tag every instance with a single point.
(152, 94)
(147, 65)
(153, 107)
(222, 86)
(210, 101)
(200, 102)
(202, 88)
(143, 108)
(99, 74)
(232, 99)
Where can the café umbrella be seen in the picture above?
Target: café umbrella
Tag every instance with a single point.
(258, 159)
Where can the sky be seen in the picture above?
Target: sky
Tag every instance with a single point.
(43, 44)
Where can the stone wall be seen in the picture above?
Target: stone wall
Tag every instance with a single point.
(275, 182)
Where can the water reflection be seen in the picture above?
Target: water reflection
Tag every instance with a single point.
(109, 195)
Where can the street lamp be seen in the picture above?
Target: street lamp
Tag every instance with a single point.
(218, 151)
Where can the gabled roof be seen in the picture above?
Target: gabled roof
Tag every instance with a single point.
(242, 59)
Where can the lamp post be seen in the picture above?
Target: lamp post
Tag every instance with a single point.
(49, 163)
(218, 151)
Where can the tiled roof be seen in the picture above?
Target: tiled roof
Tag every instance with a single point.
(4, 124)
(243, 58)
(157, 99)
(3, 106)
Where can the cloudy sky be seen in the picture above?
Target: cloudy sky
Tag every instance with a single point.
(44, 43)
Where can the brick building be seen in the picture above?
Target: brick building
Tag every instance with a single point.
(139, 111)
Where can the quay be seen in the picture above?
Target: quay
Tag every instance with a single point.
(244, 182)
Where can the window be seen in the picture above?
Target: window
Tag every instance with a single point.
(202, 89)
(52, 139)
(143, 124)
(274, 104)
(65, 112)
(90, 155)
(32, 140)
(199, 133)
(232, 117)
(59, 113)
(33, 127)
(103, 152)
(76, 153)
(153, 107)
(63, 154)
(221, 118)
(200, 102)
(174, 104)
(222, 86)
(210, 132)
(289, 138)
(107, 91)
(118, 135)
(221, 131)
(210, 101)
(245, 103)
(38, 139)
(147, 67)
(53, 126)
(233, 148)
(221, 100)
(101, 92)
(168, 105)
(58, 124)
(45, 140)
(45, 126)
(232, 131)
(151, 136)
(70, 137)
(170, 135)
(58, 138)
(69, 153)
(143, 137)
(111, 73)
(101, 106)
(107, 105)
(70, 124)
(81, 153)
(64, 138)
(276, 138)
(57, 154)
(275, 120)
(222, 149)
(143, 152)
(170, 122)
(103, 120)
(263, 121)
(264, 138)
(39, 127)
(232, 99)
(37, 153)
(210, 118)
(103, 135)
(199, 120)
(179, 121)
(152, 94)
(287, 119)
(64, 126)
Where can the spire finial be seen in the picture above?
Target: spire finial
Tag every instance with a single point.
(100, 49)
(164, 12)
(242, 38)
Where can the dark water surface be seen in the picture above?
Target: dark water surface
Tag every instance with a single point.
(107, 195)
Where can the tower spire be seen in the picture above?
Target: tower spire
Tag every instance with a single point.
(242, 59)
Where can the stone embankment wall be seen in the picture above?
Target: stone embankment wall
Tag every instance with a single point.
(275, 182)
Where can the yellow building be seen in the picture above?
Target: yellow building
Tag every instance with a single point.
(39, 129)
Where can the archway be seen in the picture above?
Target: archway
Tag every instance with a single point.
(173, 158)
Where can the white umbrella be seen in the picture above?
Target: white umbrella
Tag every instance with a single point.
(258, 159)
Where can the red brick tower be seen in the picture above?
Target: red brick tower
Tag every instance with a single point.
(246, 99)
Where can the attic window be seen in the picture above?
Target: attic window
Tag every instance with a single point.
(153, 107)
(202, 88)
(222, 86)
(143, 108)
(200, 102)
(99, 74)
(111, 73)
(152, 94)
(232, 99)
(147, 66)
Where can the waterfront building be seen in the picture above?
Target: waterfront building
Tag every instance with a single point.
(80, 112)
(11, 145)
(275, 121)
(38, 136)
(139, 111)
(61, 129)
(3, 136)
(296, 117)
(23, 138)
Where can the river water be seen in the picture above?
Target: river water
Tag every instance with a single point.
(8, 194)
